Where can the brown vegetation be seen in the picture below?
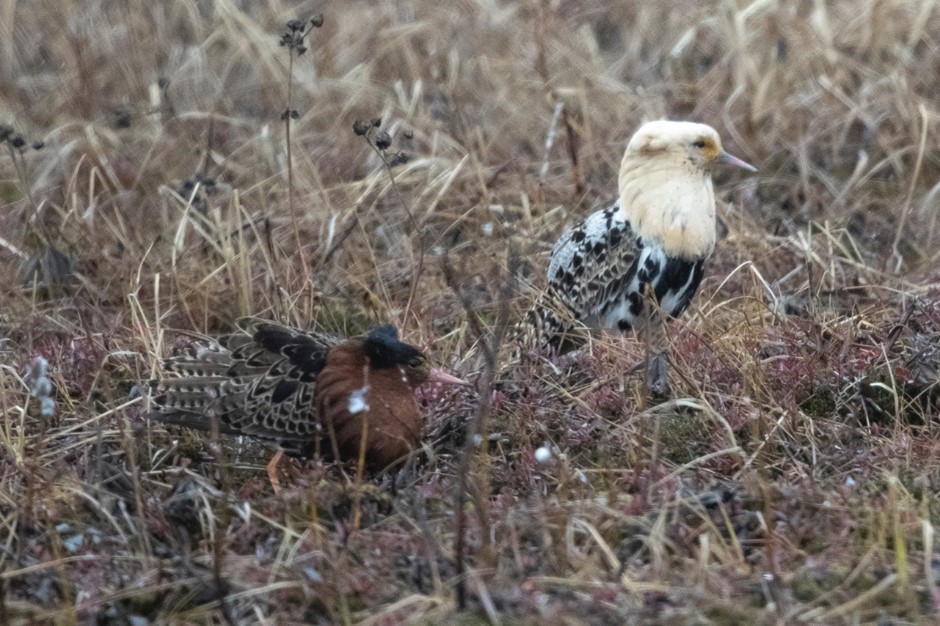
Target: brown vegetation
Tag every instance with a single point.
(793, 477)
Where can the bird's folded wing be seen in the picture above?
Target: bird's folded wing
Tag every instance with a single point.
(259, 381)
(592, 262)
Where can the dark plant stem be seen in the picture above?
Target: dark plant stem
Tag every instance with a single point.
(295, 224)
(415, 227)
(477, 425)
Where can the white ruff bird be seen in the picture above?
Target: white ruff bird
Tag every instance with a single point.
(649, 246)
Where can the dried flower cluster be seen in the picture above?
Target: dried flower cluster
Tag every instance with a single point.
(297, 31)
(294, 39)
(197, 190)
(381, 140)
(16, 141)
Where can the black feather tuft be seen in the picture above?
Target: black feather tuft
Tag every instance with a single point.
(272, 338)
(387, 331)
(385, 350)
(284, 389)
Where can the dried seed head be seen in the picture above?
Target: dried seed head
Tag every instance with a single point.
(360, 128)
(543, 454)
(18, 141)
(383, 140)
(317, 20)
(186, 188)
(295, 25)
(38, 145)
(121, 117)
(376, 121)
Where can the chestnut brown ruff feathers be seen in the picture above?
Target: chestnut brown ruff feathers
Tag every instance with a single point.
(306, 391)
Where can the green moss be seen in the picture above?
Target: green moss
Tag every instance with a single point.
(479, 619)
(683, 436)
(820, 403)
(9, 192)
(728, 614)
(805, 587)
(340, 316)
(143, 603)
(879, 400)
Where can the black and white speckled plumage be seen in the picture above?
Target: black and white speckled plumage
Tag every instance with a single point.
(600, 270)
(641, 260)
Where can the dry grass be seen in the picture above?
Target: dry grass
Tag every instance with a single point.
(793, 478)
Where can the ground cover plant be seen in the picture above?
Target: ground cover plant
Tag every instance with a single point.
(166, 168)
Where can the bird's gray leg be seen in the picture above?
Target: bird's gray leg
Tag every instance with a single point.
(657, 368)
(657, 352)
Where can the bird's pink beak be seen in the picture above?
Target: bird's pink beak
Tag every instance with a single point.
(440, 376)
(732, 160)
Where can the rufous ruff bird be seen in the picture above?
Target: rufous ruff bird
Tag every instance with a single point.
(308, 392)
(642, 259)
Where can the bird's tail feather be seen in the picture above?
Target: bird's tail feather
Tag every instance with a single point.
(550, 327)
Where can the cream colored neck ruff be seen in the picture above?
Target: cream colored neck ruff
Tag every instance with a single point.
(669, 202)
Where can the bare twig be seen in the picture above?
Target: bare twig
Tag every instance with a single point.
(489, 345)
(906, 207)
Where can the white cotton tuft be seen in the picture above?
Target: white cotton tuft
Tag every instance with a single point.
(543, 454)
(358, 401)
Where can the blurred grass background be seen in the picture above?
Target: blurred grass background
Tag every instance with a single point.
(793, 477)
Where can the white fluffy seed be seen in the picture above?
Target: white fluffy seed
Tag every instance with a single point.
(358, 401)
(543, 454)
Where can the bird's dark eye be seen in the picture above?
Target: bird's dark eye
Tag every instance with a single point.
(698, 144)
(415, 362)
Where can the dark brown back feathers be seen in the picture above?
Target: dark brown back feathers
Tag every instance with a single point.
(303, 390)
